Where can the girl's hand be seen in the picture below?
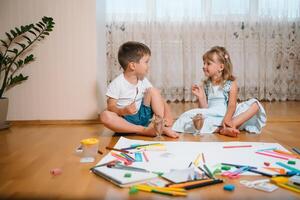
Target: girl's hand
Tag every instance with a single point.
(198, 91)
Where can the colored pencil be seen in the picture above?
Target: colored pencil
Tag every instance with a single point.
(288, 167)
(238, 166)
(196, 162)
(188, 183)
(142, 145)
(296, 150)
(261, 173)
(120, 150)
(203, 159)
(208, 171)
(274, 156)
(215, 181)
(239, 146)
(145, 156)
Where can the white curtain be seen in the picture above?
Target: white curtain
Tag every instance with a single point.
(262, 37)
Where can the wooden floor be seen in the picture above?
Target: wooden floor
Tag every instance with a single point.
(29, 152)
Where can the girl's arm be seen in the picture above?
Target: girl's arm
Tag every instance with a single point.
(198, 91)
(227, 121)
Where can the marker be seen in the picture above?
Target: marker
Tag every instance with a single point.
(238, 166)
(239, 146)
(145, 156)
(208, 171)
(274, 156)
(104, 164)
(114, 149)
(215, 181)
(142, 145)
(296, 150)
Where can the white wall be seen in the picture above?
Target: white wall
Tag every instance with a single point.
(62, 82)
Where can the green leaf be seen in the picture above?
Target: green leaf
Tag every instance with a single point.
(40, 26)
(35, 28)
(29, 40)
(9, 36)
(42, 36)
(17, 79)
(13, 33)
(13, 51)
(4, 43)
(21, 45)
(18, 31)
(46, 33)
(20, 63)
(28, 59)
(32, 32)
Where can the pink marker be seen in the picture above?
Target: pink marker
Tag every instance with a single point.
(239, 146)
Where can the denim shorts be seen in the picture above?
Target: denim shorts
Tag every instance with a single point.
(142, 117)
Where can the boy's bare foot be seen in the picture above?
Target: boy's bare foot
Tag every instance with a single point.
(228, 131)
(169, 132)
(149, 131)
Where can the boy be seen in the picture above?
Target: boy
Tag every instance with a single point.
(131, 98)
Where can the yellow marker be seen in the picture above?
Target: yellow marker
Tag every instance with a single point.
(146, 188)
(283, 182)
(164, 188)
(196, 162)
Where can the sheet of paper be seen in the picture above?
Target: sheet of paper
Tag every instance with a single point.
(178, 155)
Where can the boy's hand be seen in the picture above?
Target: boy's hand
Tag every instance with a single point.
(198, 91)
(130, 109)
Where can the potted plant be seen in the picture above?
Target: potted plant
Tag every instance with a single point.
(15, 54)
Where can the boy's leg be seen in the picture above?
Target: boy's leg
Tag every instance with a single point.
(159, 106)
(168, 114)
(117, 124)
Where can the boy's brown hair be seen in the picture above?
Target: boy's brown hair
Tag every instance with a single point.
(132, 52)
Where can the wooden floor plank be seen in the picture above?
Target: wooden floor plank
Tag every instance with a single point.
(29, 152)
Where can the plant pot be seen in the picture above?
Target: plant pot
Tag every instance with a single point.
(3, 113)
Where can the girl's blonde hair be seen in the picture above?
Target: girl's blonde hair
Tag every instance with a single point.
(224, 58)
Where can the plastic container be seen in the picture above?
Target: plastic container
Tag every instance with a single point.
(89, 149)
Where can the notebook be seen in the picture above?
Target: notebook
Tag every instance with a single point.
(117, 176)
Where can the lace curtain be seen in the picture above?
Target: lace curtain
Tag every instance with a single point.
(262, 37)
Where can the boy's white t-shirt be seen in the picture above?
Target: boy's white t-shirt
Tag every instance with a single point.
(125, 92)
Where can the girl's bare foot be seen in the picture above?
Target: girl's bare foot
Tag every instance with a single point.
(228, 131)
(169, 132)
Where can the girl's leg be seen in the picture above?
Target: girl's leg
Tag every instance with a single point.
(239, 120)
(243, 117)
(117, 124)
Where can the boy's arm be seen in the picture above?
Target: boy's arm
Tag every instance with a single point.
(112, 106)
(231, 105)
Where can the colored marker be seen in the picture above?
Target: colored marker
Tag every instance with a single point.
(145, 156)
(274, 156)
(239, 146)
(114, 149)
(296, 150)
(288, 167)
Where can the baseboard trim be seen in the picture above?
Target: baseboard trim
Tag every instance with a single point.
(53, 122)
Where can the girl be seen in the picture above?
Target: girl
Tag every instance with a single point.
(218, 101)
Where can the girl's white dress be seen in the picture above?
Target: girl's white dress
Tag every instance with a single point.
(217, 97)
